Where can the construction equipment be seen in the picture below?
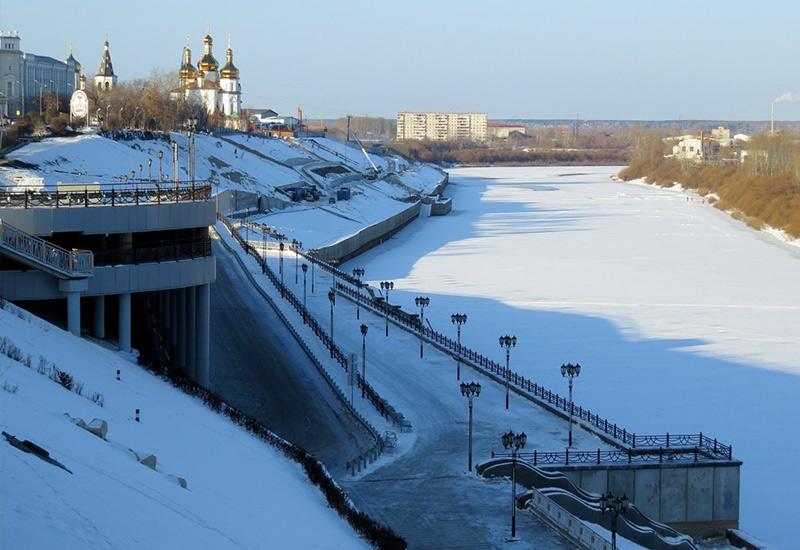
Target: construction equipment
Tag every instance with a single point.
(375, 170)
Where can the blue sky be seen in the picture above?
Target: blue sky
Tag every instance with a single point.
(523, 59)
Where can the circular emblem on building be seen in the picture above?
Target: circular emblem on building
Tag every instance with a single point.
(79, 104)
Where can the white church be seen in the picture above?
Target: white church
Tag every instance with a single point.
(219, 90)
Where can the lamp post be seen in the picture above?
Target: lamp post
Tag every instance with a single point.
(458, 319)
(149, 170)
(358, 273)
(140, 172)
(312, 253)
(280, 264)
(470, 391)
(332, 298)
(615, 506)
(515, 442)
(264, 248)
(387, 286)
(305, 271)
(364, 329)
(295, 246)
(507, 342)
(160, 155)
(422, 302)
(569, 370)
(191, 126)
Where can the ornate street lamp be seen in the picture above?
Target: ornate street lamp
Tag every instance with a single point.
(515, 442)
(332, 298)
(280, 264)
(296, 245)
(387, 286)
(507, 342)
(305, 310)
(615, 506)
(358, 273)
(313, 254)
(364, 329)
(458, 319)
(422, 302)
(471, 390)
(160, 156)
(571, 371)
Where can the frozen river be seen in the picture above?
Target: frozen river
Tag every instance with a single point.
(683, 319)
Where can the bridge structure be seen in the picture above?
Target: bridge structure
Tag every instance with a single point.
(129, 248)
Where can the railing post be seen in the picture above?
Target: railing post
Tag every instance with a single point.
(567, 463)
(661, 454)
(113, 193)
(667, 439)
(535, 457)
(695, 454)
(598, 456)
(634, 441)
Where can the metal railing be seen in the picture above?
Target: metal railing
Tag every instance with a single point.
(628, 456)
(107, 195)
(381, 405)
(710, 447)
(183, 250)
(72, 263)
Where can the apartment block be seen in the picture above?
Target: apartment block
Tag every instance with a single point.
(436, 126)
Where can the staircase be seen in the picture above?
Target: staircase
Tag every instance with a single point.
(44, 256)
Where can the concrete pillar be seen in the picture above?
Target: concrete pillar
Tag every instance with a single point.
(74, 313)
(100, 317)
(173, 321)
(73, 288)
(203, 334)
(191, 332)
(125, 322)
(182, 328)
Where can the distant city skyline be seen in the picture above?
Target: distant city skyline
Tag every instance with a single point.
(620, 60)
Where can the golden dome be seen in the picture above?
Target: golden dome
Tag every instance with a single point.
(208, 63)
(229, 70)
(187, 72)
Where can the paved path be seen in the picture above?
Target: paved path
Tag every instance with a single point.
(258, 366)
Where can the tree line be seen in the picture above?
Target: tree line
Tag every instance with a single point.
(762, 190)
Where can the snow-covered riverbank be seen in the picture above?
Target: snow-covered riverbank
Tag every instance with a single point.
(684, 319)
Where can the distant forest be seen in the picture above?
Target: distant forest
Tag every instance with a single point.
(764, 189)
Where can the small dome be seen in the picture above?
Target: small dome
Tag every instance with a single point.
(229, 70)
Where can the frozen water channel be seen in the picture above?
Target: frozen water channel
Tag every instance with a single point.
(684, 319)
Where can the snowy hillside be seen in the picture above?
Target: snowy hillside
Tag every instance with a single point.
(240, 492)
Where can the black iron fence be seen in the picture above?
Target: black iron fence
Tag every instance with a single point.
(709, 447)
(381, 405)
(85, 195)
(630, 455)
(181, 250)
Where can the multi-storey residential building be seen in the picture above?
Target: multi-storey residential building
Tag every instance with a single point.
(442, 126)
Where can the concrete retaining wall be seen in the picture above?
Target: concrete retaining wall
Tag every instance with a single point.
(97, 220)
(695, 498)
(368, 237)
(107, 280)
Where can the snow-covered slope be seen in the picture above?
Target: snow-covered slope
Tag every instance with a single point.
(245, 163)
(240, 493)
